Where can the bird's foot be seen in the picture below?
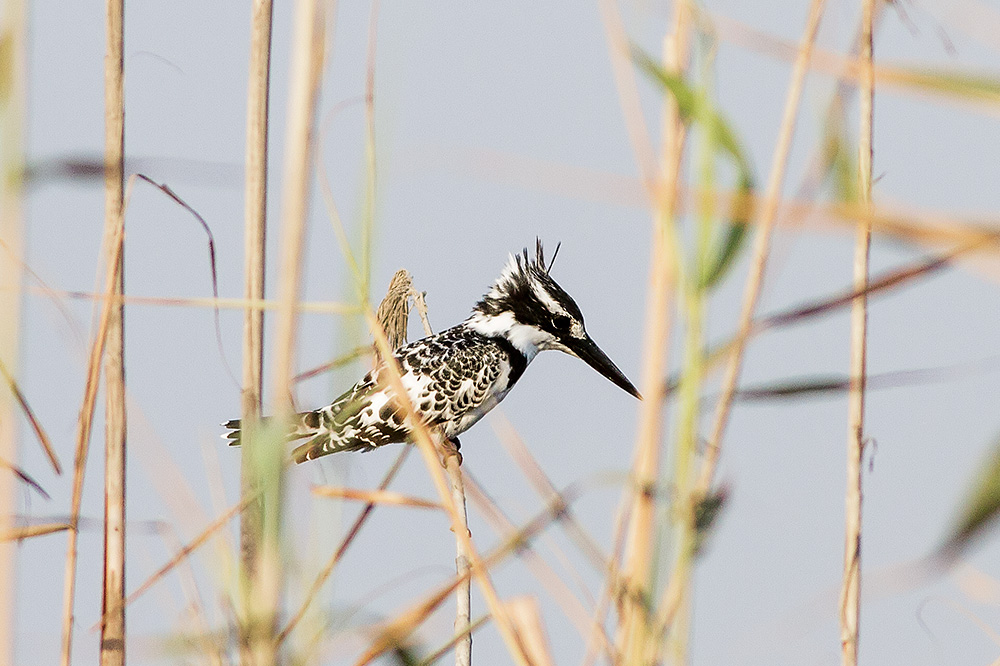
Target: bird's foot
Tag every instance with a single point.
(449, 448)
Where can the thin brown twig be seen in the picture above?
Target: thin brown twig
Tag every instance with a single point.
(24, 477)
(379, 496)
(310, 307)
(176, 198)
(29, 413)
(338, 362)
(547, 491)
(113, 251)
(396, 630)
(612, 588)
(19, 533)
(586, 626)
(850, 595)
(348, 539)
(183, 553)
(883, 282)
(453, 462)
(308, 62)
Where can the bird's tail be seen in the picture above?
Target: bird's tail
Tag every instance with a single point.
(304, 424)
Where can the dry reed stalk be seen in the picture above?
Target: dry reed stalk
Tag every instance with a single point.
(819, 165)
(19, 533)
(394, 632)
(439, 653)
(633, 631)
(255, 205)
(339, 553)
(527, 618)
(313, 307)
(397, 319)
(620, 54)
(24, 477)
(432, 455)
(852, 70)
(673, 598)
(850, 595)
(254, 248)
(308, 57)
(393, 315)
(376, 497)
(762, 245)
(589, 629)
(112, 606)
(13, 70)
(306, 71)
(183, 553)
(113, 248)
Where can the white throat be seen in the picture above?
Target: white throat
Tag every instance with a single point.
(526, 339)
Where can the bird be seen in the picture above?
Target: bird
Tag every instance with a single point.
(453, 378)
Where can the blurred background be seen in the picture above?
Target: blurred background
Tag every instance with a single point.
(496, 124)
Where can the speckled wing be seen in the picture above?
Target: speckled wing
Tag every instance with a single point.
(452, 379)
(347, 424)
(359, 420)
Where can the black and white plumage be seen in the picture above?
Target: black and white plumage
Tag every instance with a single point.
(455, 377)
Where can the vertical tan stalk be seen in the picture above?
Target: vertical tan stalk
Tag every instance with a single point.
(307, 68)
(12, 107)
(309, 39)
(762, 245)
(112, 605)
(463, 558)
(431, 454)
(255, 236)
(633, 632)
(112, 262)
(850, 594)
(463, 593)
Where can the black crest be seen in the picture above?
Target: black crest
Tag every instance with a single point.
(515, 290)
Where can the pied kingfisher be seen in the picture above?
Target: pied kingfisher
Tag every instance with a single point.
(454, 377)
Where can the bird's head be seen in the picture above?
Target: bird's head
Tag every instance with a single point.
(528, 308)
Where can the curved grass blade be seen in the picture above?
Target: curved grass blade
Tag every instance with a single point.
(980, 509)
(696, 107)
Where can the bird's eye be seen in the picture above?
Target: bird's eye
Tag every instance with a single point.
(561, 322)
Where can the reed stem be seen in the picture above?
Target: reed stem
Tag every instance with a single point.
(13, 69)
(112, 605)
(850, 595)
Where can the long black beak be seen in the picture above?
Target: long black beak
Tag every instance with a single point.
(588, 351)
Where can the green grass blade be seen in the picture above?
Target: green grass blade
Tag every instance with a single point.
(696, 108)
(981, 506)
